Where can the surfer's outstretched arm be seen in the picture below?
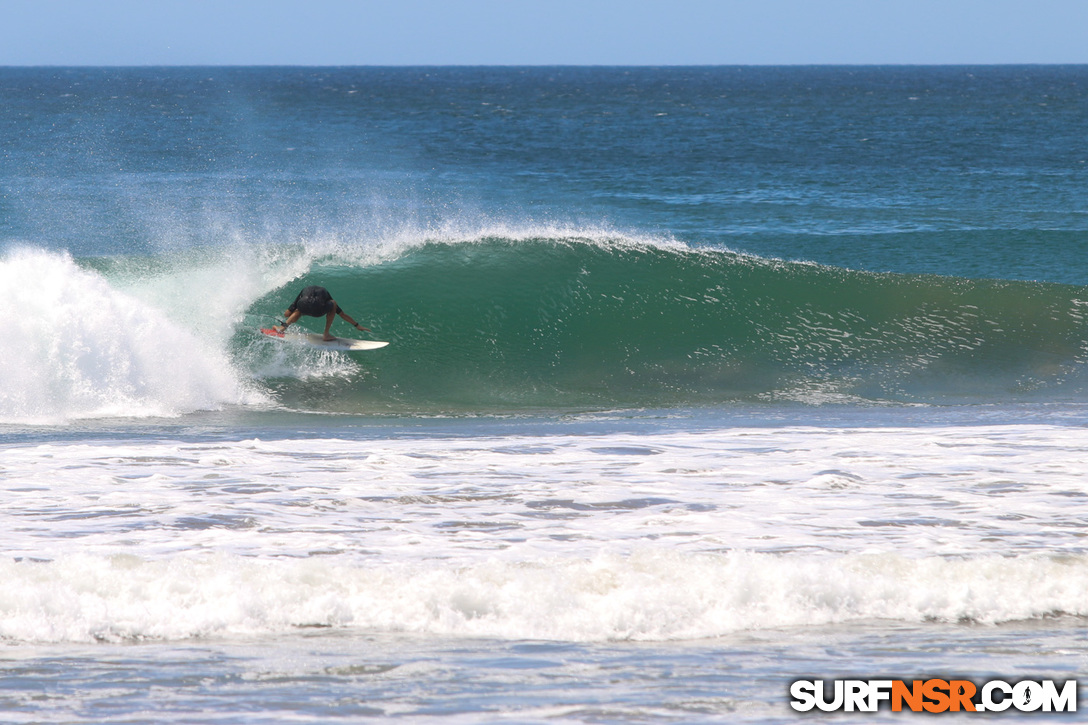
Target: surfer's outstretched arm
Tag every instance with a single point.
(350, 321)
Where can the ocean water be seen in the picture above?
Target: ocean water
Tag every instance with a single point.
(700, 381)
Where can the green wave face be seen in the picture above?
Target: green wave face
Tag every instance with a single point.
(497, 323)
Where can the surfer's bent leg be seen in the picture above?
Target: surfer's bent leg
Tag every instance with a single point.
(329, 323)
(329, 317)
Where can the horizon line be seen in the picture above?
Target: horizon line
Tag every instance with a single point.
(541, 65)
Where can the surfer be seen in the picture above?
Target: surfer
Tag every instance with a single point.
(314, 302)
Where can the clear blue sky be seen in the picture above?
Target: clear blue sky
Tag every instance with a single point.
(540, 32)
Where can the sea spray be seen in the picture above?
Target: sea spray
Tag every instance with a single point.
(75, 347)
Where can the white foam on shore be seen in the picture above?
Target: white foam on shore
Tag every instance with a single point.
(570, 537)
(650, 595)
(949, 491)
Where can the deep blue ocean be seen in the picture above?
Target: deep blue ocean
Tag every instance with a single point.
(700, 381)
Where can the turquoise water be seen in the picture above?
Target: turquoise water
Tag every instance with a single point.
(700, 380)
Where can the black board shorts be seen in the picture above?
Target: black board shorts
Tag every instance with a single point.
(313, 302)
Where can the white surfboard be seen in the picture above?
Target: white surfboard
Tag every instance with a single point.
(315, 340)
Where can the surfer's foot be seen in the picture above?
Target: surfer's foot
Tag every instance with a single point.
(328, 338)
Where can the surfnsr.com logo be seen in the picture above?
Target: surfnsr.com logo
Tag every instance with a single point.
(934, 695)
